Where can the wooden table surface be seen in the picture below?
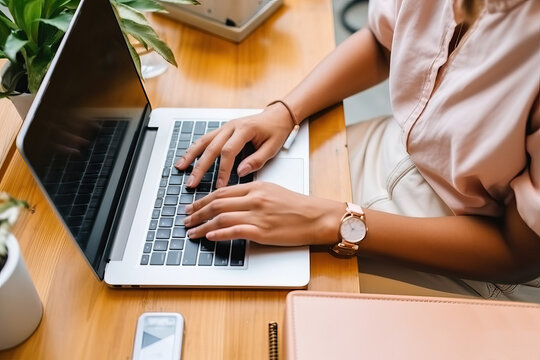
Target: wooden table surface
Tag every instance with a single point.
(84, 318)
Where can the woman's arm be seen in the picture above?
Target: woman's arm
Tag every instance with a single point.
(473, 247)
(357, 64)
(502, 250)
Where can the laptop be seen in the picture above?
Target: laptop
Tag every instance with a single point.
(105, 160)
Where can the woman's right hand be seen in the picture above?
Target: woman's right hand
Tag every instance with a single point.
(267, 131)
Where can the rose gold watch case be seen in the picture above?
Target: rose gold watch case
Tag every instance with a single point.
(346, 248)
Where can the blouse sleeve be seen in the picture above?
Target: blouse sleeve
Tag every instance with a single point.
(381, 20)
(526, 185)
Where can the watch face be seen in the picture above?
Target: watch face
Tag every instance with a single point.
(353, 230)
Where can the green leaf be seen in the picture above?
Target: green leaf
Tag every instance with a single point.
(4, 33)
(13, 45)
(136, 25)
(141, 5)
(24, 13)
(149, 36)
(53, 39)
(61, 22)
(32, 13)
(4, 19)
(136, 58)
(52, 8)
(16, 9)
(128, 13)
(182, 2)
(132, 50)
(37, 68)
(73, 4)
(5, 28)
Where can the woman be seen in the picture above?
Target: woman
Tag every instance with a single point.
(461, 153)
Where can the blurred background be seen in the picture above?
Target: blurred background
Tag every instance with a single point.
(349, 15)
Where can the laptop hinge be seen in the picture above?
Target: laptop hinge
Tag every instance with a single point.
(135, 187)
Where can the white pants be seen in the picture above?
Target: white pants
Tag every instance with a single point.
(384, 178)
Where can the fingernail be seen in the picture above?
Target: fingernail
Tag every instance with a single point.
(219, 183)
(243, 170)
(187, 220)
(190, 182)
(210, 235)
(180, 162)
(189, 209)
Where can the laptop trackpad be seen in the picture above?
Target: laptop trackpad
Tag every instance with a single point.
(287, 172)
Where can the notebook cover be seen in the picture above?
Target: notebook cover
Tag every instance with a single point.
(363, 326)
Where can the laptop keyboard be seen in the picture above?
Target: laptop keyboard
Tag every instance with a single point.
(167, 242)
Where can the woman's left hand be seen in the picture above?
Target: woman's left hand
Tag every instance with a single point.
(265, 213)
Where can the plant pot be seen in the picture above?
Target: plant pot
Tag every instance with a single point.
(21, 100)
(20, 305)
(22, 103)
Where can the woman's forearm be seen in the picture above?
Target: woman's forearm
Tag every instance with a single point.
(357, 64)
(470, 247)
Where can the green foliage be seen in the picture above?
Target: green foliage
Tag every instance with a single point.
(133, 23)
(30, 36)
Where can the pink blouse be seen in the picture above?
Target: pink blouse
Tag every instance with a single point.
(471, 119)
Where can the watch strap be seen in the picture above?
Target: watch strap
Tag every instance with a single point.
(344, 249)
(355, 209)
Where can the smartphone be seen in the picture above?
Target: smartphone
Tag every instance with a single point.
(159, 336)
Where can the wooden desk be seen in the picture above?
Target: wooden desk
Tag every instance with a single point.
(10, 123)
(85, 319)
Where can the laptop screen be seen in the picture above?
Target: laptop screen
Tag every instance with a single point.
(85, 126)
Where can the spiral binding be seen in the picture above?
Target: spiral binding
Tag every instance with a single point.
(273, 340)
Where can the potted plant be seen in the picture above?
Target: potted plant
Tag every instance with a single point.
(31, 32)
(20, 306)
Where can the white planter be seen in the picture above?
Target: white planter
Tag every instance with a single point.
(20, 305)
(22, 103)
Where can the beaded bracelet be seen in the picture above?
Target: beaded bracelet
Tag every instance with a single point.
(294, 131)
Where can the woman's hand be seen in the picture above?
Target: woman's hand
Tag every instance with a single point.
(267, 132)
(265, 213)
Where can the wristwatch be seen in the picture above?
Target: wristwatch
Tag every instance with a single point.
(352, 231)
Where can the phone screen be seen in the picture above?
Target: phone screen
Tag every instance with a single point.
(158, 338)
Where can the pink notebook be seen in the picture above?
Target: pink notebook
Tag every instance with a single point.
(362, 326)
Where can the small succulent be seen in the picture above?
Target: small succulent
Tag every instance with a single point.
(10, 209)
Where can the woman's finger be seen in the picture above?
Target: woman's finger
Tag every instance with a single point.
(225, 192)
(209, 155)
(195, 149)
(229, 152)
(241, 231)
(216, 207)
(221, 221)
(257, 160)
